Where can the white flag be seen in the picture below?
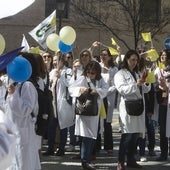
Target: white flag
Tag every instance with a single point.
(25, 44)
(46, 27)
(12, 7)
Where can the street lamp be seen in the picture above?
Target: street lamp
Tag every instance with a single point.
(60, 10)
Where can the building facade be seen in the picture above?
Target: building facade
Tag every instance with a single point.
(93, 20)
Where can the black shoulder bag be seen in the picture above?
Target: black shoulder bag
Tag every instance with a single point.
(135, 107)
(86, 104)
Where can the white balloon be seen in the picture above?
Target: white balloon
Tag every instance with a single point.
(52, 42)
(2, 44)
(67, 35)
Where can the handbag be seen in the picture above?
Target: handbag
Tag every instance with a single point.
(134, 107)
(86, 104)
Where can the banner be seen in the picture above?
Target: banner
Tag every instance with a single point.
(12, 7)
(25, 44)
(46, 27)
(146, 36)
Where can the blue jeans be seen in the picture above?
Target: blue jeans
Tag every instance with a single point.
(87, 145)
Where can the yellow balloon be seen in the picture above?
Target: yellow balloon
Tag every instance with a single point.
(52, 42)
(67, 35)
(2, 44)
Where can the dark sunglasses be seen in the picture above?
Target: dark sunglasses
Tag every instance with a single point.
(69, 57)
(48, 56)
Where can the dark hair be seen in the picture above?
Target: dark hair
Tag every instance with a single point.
(167, 51)
(93, 65)
(41, 69)
(127, 56)
(30, 57)
(110, 62)
(62, 58)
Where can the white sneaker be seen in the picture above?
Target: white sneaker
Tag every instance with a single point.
(143, 159)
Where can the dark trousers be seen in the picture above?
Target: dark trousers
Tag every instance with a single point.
(162, 125)
(108, 139)
(52, 134)
(72, 135)
(151, 137)
(127, 147)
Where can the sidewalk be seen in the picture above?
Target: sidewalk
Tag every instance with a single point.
(103, 161)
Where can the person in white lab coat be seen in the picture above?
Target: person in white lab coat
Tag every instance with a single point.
(128, 83)
(87, 126)
(7, 141)
(21, 102)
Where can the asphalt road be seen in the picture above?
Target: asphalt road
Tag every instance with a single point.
(103, 161)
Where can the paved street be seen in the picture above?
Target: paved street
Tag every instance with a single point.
(103, 161)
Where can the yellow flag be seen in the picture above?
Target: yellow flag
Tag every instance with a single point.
(152, 54)
(161, 65)
(150, 77)
(113, 51)
(102, 111)
(35, 50)
(113, 41)
(146, 36)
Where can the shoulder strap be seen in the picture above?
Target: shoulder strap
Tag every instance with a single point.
(6, 94)
(89, 84)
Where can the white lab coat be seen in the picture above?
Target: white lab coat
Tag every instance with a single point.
(128, 89)
(7, 141)
(65, 112)
(161, 73)
(19, 106)
(87, 126)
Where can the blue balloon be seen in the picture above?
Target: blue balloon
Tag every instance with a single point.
(19, 69)
(64, 48)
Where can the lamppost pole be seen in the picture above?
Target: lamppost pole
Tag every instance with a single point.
(59, 21)
(60, 9)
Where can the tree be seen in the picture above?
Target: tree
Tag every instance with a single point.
(123, 18)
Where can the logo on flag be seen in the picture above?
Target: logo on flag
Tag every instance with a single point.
(46, 27)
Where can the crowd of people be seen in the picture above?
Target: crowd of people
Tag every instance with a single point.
(114, 80)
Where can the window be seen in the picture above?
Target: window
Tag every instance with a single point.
(51, 5)
(150, 11)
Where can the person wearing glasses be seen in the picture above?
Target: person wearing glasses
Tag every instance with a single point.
(86, 127)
